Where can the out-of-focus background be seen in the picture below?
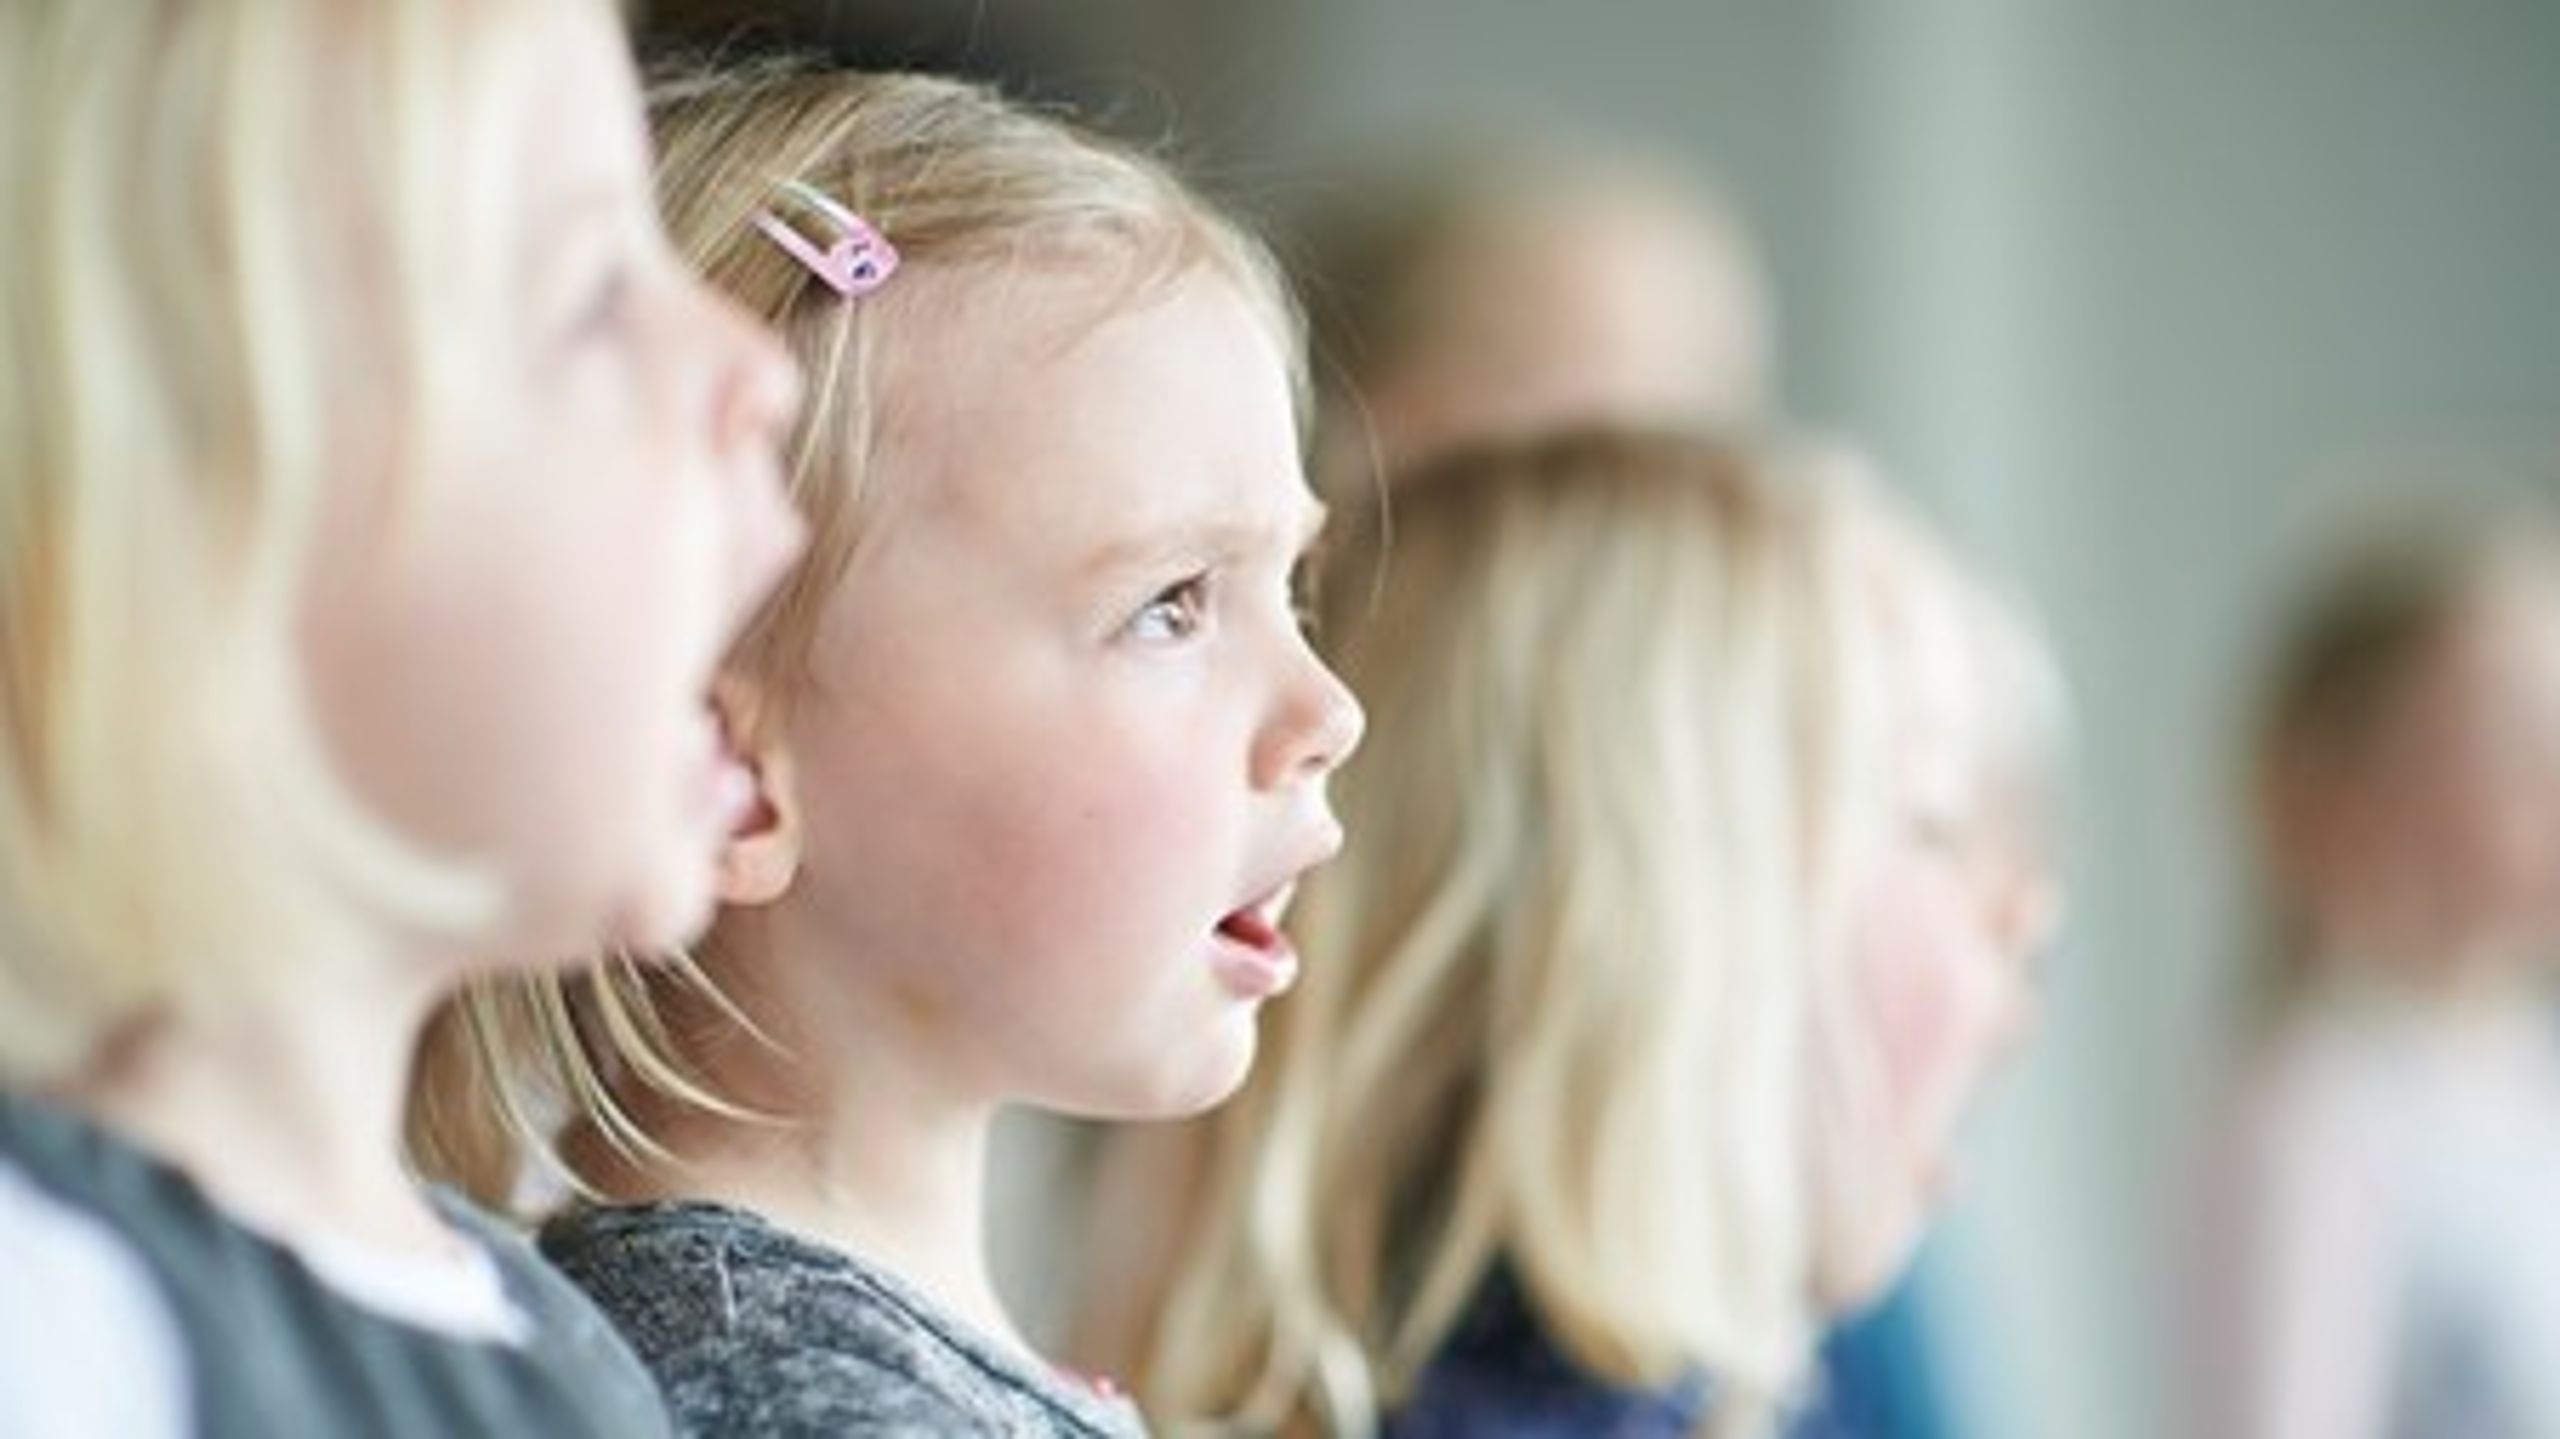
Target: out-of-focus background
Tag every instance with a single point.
(2140, 297)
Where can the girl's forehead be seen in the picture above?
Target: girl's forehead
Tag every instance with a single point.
(1001, 357)
(958, 339)
(570, 112)
(1936, 674)
(541, 129)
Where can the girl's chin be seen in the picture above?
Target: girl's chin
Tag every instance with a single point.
(1203, 1083)
(1864, 1269)
(668, 915)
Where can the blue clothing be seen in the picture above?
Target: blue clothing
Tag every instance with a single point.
(1879, 1376)
(1501, 1376)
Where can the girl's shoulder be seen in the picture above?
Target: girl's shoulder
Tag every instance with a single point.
(87, 1343)
(753, 1329)
(1501, 1375)
(318, 1356)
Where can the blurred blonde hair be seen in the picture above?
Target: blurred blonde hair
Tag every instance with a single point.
(1558, 1007)
(970, 190)
(217, 211)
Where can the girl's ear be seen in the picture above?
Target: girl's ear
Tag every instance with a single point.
(2026, 911)
(762, 854)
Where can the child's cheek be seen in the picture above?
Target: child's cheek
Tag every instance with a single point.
(1915, 1001)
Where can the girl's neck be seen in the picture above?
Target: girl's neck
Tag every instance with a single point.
(2442, 976)
(860, 1142)
(285, 1107)
(898, 1189)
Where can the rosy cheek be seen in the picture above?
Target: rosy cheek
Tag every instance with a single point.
(1908, 1010)
(1927, 1013)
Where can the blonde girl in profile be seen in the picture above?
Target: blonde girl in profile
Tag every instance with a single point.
(1040, 752)
(1680, 914)
(360, 440)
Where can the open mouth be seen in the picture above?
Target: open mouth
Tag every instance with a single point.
(729, 781)
(1255, 959)
(1250, 929)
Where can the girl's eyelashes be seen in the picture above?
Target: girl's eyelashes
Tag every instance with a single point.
(1302, 597)
(1173, 613)
(1180, 610)
(607, 305)
(1937, 828)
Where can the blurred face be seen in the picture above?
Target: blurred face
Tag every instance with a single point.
(1626, 308)
(510, 654)
(2444, 842)
(1065, 758)
(1944, 918)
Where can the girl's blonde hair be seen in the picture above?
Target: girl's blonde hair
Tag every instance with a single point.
(1558, 1009)
(217, 211)
(972, 191)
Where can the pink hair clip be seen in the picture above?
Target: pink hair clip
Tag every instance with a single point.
(859, 260)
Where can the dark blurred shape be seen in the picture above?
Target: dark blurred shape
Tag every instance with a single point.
(1197, 76)
(1017, 44)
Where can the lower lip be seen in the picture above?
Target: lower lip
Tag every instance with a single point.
(727, 790)
(722, 786)
(1251, 971)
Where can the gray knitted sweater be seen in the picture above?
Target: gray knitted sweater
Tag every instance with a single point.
(752, 1330)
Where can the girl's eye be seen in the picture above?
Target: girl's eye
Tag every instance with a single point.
(1935, 829)
(603, 312)
(1302, 599)
(1174, 613)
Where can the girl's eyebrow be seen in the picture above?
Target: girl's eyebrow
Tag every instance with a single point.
(1217, 539)
(588, 202)
(558, 228)
(596, 194)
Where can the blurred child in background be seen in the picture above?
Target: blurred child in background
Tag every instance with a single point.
(2384, 1250)
(1511, 291)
